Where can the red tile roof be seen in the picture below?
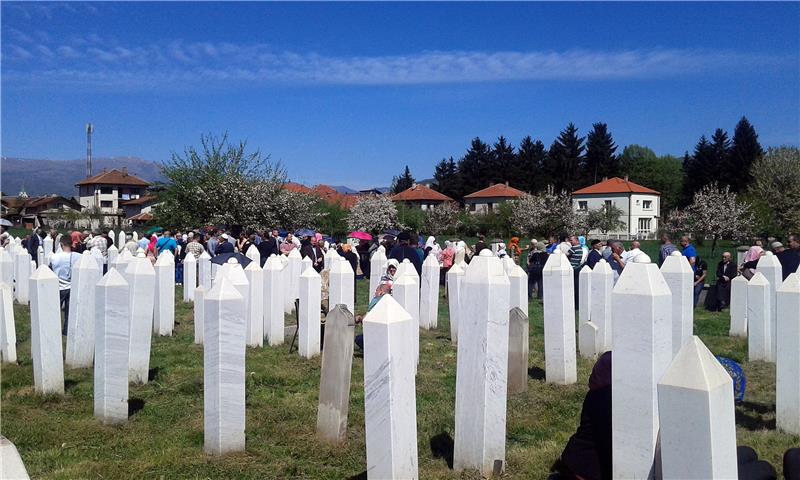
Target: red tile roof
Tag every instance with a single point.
(142, 217)
(498, 190)
(113, 177)
(139, 201)
(296, 187)
(420, 193)
(325, 193)
(615, 185)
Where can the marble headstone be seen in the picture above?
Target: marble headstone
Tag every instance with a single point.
(189, 277)
(454, 278)
(377, 267)
(81, 327)
(429, 294)
(680, 279)
(141, 279)
(772, 270)
(8, 334)
(337, 362)
(164, 301)
(255, 304)
(199, 313)
(517, 351)
(273, 301)
(112, 323)
(308, 333)
(559, 321)
(518, 287)
(602, 286)
(787, 370)
(341, 289)
(738, 307)
(48, 369)
(584, 295)
(759, 323)
(204, 270)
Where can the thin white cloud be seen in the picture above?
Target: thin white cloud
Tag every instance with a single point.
(103, 61)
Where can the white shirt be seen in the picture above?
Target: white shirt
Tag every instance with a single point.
(61, 263)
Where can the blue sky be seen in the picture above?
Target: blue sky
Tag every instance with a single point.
(349, 93)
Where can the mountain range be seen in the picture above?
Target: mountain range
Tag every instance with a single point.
(41, 177)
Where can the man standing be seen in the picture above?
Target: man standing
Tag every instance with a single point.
(790, 257)
(480, 245)
(636, 250)
(615, 261)
(404, 251)
(575, 256)
(33, 245)
(224, 245)
(212, 244)
(194, 246)
(166, 242)
(100, 240)
(61, 264)
(688, 251)
(666, 248)
(595, 255)
(726, 271)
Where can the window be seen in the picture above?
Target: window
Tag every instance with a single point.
(647, 204)
(106, 190)
(644, 225)
(472, 207)
(583, 205)
(608, 203)
(489, 206)
(107, 204)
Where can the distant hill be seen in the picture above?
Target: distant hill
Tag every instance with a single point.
(39, 177)
(344, 190)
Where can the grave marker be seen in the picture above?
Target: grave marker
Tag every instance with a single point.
(584, 295)
(48, 371)
(255, 305)
(141, 280)
(309, 313)
(377, 268)
(8, 334)
(738, 307)
(189, 277)
(772, 270)
(112, 322)
(518, 287)
(680, 279)
(164, 301)
(337, 361)
(81, 326)
(787, 370)
(454, 279)
(11, 466)
(429, 294)
(602, 286)
(517, 351)
(759, 323)
(22, 272)
(273, 301)
(341, 289)
(559, 321)
(589, 340)
(199, 313)
(204, 270)
(406, 291)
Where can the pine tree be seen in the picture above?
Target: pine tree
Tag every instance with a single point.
(564, 159)
(698, 169)
(721, 149)
(530, 163)
(502, 161)
(600, 158)
(447, 179)
(475, 168)
(403, 182)
(744, 152)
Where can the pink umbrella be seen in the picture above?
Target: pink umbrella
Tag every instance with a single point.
(360, 235)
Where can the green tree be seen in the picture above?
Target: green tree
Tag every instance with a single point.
(775, 190)
(403, 182)
(698, 169)
(564, 159)
(447, 179)
(744, 152)
(530, 165)
(601, 160)
(503, 159)
(475, 168)
(663, 174)
(606, 219)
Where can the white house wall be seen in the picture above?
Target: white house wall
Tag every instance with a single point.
(631, 210)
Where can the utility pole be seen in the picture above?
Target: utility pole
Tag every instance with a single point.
(89, 131)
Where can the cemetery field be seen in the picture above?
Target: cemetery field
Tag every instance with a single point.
(58, 437)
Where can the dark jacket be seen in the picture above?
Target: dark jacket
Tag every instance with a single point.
(224, 247)
(728, 270)
(402, 252)
(593, 258)
(266, 248)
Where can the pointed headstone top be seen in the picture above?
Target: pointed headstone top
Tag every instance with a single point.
(380, 253)
(273, 263)
(234, 272)
(430, 261)
(40, 249)
(113, 248)
(252, 267)
(517, 271)
(43, 273)
(518, 313)
(190, 258)
(739, 279)
(676, 254)
(309, 273)
(164, 259)
(140, 266)
(791, 284)
(386, 311)
(456, 269)
(341, 267)
(404, 280)
(641, 279)
(642, 258)
(557, 264)
(204, 255)
(486, 269)
(340, 315)
(676, 264)
(294, 253)
(586, 269)
(126, 254)
(140, 253)
(223, 289)
(486, 253)
(695, 368)
(759, 279)
(112, 279)
(768, 260)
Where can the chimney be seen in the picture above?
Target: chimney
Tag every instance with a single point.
(125, 170)
(626, 179)
(605, 178)
(506, 183)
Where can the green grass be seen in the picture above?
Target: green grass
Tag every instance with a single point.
(59, 438)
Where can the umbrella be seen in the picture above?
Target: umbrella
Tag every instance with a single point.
(360, 235)
(304, 232)
(393, 233)
(5, 223)
(223, 259)
(153, 230)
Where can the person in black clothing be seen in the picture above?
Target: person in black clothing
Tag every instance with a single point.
(480, 245)
(588, 452)
(267, 247)
(225, 245)
(536, 260)
(790, 258)
(726, 271)
(594, 254)
(33, 245)
(363, 257)
(404, 250)
(310, 248)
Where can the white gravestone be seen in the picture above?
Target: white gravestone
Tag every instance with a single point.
(48, 248)
(787, 370)
(518, 288)
(295, 268)
(121, 239)
(305, 264)
(334, 387)
(584, 295)
(602, 286)
(48, 369)
(112, 236)
(518, 339)
(308, 333)
(113, 253)
(589, 340)
(254, 255)
(286, 279)
(223, 369)
(98, 257)
(164, 301)
(11, 466)
(341, 289)
(759, 323)
(680, 279)
(199, 313)
(141, 279)
(454, 279)
(40, 256)
(696, 415)
(329, 258)
(642, 346)
(204, 270)
(390, 406)
(6, 268)
(738, 307)
(559, 321)
(81, 327)
(377, 267)
(273, 301)
(406, 291)
(255, 304)
(482, 363)
(22, 272)
(429, 294)
(8, 334)
(189, 277)
(112, 336)
(772, 270)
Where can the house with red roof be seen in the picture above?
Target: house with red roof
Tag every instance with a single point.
(487, 200)
(107, 190)
(641, 206)
(421, 196)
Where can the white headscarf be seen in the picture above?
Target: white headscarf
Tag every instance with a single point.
(430, 242)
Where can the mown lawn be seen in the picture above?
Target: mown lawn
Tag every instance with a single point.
(59, 438)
